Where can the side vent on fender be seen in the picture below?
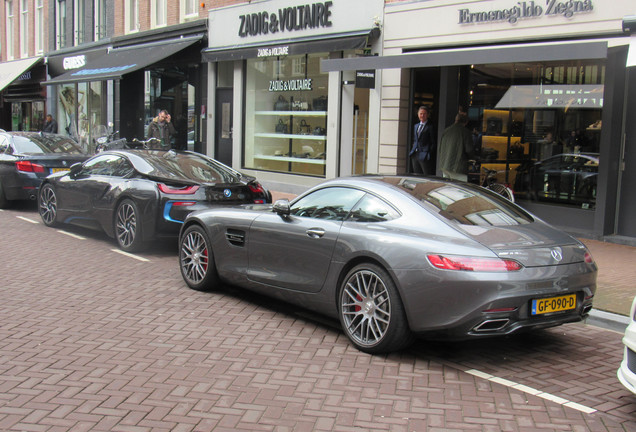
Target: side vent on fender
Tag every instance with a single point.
(235, 237)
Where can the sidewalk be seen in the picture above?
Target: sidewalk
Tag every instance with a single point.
(616, 284)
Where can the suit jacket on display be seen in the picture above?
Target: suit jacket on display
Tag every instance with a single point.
(423, 142)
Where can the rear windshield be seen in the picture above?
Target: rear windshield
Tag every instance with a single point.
(464, 204)
(185, 166)
(44, 144)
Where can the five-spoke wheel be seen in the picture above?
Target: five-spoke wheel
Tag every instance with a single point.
(371, 312)
(196, 260)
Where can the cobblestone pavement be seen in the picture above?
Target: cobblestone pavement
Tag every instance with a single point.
(91, 339)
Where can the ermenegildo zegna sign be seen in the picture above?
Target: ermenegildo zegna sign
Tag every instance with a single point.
(525, 10)
(289, 19)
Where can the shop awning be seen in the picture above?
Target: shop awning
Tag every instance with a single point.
(292, 46)
(11, 70)
(631, 54)
(120, 61)
(473, 55)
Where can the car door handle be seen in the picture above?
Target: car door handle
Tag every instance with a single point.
(315, 232)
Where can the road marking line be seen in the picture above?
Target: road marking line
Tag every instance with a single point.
(531, 391)
(27, 219)
(72, 235)
(130, 255)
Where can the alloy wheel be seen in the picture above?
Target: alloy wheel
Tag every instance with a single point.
(194, 257)
(126, 226)
(48, 205)
(365, 308)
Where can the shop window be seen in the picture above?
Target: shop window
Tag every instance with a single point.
(286, 115)
(538, 125)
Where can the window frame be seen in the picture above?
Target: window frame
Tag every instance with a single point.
(131, 16)
(38, 23)
(185, 4)
(60, 24)
(79, 22)
(24, 28)
(10, 26)
(99, 13)
(158, 12)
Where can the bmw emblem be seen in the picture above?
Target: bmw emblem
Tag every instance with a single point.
(227, 193)
(557, 254)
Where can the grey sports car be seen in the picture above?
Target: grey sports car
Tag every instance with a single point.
(394, 257)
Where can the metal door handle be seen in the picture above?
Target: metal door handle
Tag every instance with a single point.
(315, 232)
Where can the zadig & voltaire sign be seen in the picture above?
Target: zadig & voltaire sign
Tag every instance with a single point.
(289, 19)
(525, 10)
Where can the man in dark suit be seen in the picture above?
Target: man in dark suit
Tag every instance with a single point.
(422, 154)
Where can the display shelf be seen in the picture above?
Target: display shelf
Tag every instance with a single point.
(291, 159)
(291, 136)
(293, 113)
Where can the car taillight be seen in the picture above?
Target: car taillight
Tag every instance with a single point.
(256, 187)
(588, 258)
(476, 264)
(184, 190)
(28, 166)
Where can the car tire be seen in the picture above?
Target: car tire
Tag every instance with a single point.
(4, 202)
(196, 260)
(128, 229)
(47, 205)
(371, 312)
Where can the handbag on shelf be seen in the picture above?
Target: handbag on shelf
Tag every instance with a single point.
(319, 130)
(281, 127)
(304, 128)
(281, 104)
(320, 103)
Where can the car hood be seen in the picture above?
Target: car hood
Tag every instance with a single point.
(533, 245)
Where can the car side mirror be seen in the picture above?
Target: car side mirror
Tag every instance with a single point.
(76, 168)
(281, 207)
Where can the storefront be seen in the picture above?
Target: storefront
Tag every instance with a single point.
(544, 86)
(272, 111)
(128, 82)
(21, 95)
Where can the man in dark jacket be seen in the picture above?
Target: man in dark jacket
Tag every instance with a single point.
(50, 126)
(422, 154)
(162, 129)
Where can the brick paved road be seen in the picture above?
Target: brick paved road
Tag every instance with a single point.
(94, 340)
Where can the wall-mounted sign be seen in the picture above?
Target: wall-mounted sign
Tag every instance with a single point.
(290, 85)
(365, 79)
(527, 10)
(273, 52)
(74, 62)
(311, 16)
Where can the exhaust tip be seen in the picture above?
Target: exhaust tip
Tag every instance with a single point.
(491, 325)
(586, 309)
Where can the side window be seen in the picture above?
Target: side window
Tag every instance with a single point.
(333, 203)
(4, 145)
(106, 165)
(372, 209)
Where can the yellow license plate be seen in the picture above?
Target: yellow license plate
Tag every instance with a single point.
(553, 304)
(54, 170)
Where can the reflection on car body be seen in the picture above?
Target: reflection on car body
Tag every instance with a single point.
(137, 195)
(627, 371)
(397, 256)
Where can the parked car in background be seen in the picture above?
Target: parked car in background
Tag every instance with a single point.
(396, 256)
(627, 371)
(26, 158)
(568, 178)
(137, 195)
